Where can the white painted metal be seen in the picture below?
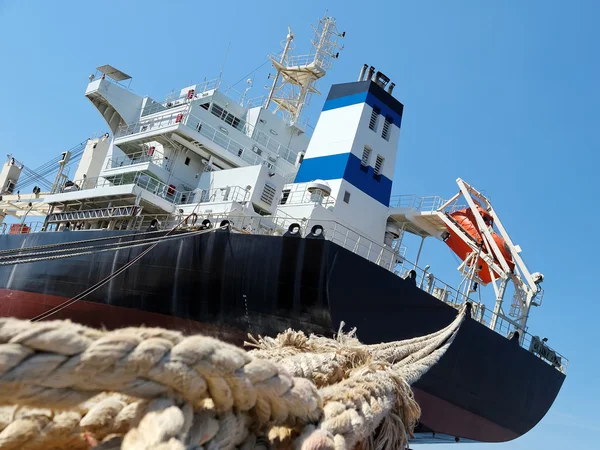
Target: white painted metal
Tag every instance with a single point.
(296, 76)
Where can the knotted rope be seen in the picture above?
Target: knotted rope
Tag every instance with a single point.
(66, 386)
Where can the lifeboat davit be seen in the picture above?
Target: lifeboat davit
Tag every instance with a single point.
(465, 219)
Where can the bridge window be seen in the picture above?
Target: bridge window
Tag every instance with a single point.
(346, 197)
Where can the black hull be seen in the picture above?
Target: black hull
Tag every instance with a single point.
(485, 388)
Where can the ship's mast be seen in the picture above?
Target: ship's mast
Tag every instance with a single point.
(296, 76)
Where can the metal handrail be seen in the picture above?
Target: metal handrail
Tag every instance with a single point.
(223, 194)
(139, 179)
(423, 204)
(136, 158)
(300, 194)
(21, 228)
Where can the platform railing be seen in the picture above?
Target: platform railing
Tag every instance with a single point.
(260, 137)
(152, 124)
(22, 228)
(224, 194)
(423, 204)
(140, 179)
(136, 158)
(299, 194)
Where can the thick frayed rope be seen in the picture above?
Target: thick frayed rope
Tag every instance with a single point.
(66, 386)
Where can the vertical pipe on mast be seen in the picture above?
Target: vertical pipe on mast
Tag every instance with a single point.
(289, 39)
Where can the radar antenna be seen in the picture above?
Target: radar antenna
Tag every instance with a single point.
(296, 76)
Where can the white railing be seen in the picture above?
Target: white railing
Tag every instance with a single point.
(153, 124)
(137, 158)
(259, 136)
(299, 194)
(222, 139)
(423, 204)
(176, 98)
(417, 203)
(22, 228)
(224, 194)
(139, 179)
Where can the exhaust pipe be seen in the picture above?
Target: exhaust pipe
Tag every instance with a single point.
(362, 72)
(371, 72)
(391, 88)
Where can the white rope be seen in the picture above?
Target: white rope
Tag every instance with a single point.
(67, 386)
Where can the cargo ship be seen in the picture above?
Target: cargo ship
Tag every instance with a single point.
(214, 212)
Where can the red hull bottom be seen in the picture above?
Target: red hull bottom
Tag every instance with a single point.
(437, 414)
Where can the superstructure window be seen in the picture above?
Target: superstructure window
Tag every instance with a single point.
(346, 197)
(378, 165)
(217, 110)
(374, 117)
(187, 161)
(226, 116)
(387, 124)
(366, 157)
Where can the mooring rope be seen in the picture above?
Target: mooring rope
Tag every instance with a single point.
(66, 386)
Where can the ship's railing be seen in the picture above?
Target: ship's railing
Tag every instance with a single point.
(222, 139)
(422, 204)
(22, 228)
(136, 158)
(259, 136)
(176, 98)
(140, 179)
(417, 203)
(529, 342)
(303, 60)
(451, 296)
(152, 124)
(256, 101)
(299, 194)
(223, 194)
(163, 190)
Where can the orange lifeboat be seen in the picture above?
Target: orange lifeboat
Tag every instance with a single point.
(465, 219)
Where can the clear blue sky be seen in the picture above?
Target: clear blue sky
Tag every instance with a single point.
(501, 93)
